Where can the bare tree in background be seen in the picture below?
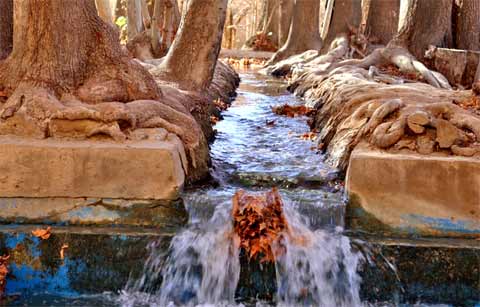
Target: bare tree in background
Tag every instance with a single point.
(191, 60)
(304, 30)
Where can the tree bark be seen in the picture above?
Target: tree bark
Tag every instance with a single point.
(6, 28)
(191, 60)
(61, 44)
(381, 19)
(229, 32)
(346, 14)
(157, 26)
(272, 22)
(171, 23)
(427, 22)
(304, 30)
(467, 32)
(286, 12)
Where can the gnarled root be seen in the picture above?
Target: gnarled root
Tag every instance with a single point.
(389, 133)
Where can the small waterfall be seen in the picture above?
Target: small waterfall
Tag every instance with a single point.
(319, 271)
(202, 268)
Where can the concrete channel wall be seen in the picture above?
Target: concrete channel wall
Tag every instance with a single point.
(412, 194)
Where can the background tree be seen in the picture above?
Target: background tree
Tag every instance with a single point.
(286, 12)
(380, 19)
(427, 22)
(192, 59)
(346, 14)
(270, 22)
(106, 10)
(467, 25)
(304, 30)
(6, 27)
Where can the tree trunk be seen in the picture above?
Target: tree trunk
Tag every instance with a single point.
(171, 23)
(193, 56)
(68, 76)
(467, 32)
(228, 33)
(62, 45)
(286, 13)
(381, 19)
(304, 30)
(157, 27)
(106, 10)
(166, 19)
(134, 18)
(346, 14)
(427, 22)
(6, 27)
(272, 23)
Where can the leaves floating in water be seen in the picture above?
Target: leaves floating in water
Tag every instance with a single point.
(44, 234)
(293, 111)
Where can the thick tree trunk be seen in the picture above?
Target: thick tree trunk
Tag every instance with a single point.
(67, 76)
(6, 28)
(286, 13)
(346, 14)
(427, 22)
(304, 30)
(193, 56)
(467, 32)
(63, 59)
(380, 18)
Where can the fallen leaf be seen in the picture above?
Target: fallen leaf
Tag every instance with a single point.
(44, 234)
(270, 123)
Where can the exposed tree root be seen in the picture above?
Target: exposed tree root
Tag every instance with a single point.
(338, 49)
(357, 102)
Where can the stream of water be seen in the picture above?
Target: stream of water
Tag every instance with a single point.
(202, 266)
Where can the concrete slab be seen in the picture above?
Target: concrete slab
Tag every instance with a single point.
(144, 169)
(93, 211)
(412, 194)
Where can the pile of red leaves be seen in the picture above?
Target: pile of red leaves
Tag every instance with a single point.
(394, 71)
(293, 111)
(3, 274)
(259, 222)
(472, 104)
(263, 43)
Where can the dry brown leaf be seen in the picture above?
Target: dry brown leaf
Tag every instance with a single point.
(44, 234)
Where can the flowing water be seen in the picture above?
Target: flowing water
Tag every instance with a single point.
(255, 149)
